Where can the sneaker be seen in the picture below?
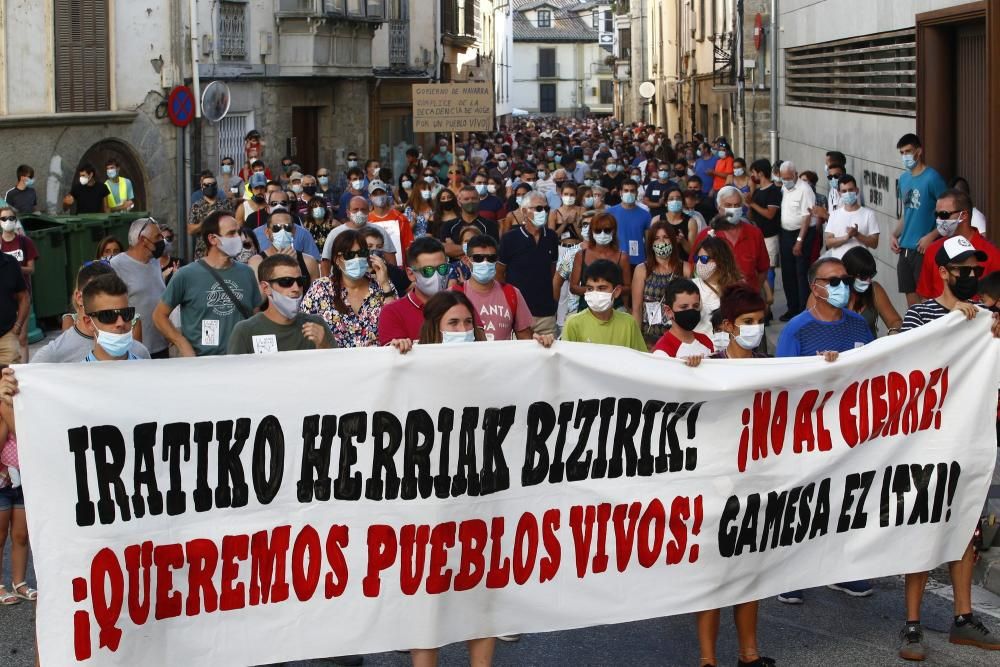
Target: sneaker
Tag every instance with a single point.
(974, 633)
(348, 660)
(792, 597)
(911, 643)
(761, 661)
(509, 638)
(856, 589)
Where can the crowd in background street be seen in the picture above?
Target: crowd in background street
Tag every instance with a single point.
(587, 231)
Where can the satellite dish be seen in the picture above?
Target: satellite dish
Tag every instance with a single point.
(647, 89)
(215, 101)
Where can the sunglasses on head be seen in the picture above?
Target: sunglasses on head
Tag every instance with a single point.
(111, 315)
(288, 281)
(477, 258)
(428, 271)
(966, 271)
(277, 227)
(834, 281)
(353, 254)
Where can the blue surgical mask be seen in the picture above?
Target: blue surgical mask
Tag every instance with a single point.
(909, 161)
(30, 183)
(481, 189)
(484, 272)
(539, 218)
(721, 154)
(112, 173)
(628, 197)
(849, 198)
(318, 213)
(227, 169)
(834, 182)
(355, 268)
(117, 345)
(663, 175)
(588, 202)
(449, 337)
(789, 183)
(323, 180)
(675, 205)
(838, 296)
(282, 240)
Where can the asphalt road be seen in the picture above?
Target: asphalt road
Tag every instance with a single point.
(830, 629)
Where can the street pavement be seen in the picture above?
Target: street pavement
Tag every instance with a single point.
(829, 629)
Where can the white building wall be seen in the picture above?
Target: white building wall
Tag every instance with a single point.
(28, 39)
(868, 140)
(422, 32)
(503, 71)
(133, 74)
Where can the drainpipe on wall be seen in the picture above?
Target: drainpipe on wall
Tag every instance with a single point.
(774, 81)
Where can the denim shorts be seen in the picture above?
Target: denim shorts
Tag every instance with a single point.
(11, 498)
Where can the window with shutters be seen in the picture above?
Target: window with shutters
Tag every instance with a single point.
(625, 44)
(232, 30)
(868, 74)
(232, 132)
(82, 67)
(399, 32)
(546, 63)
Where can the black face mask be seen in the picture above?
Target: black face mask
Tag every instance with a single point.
(309, 190)
(687, 319)
(964, 288)
(210, 190)
(158, 249)
(258, 199)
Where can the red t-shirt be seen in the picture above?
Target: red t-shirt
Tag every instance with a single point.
(405, 231)
(20, 248)
(749, 251)
(670, 344)
(400, 319)
(930, 286)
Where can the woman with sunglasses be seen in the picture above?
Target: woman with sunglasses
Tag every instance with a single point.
(868, 298)
(664, 263)
(714, 269)
(419, 208)
(604, 245)
(446, 211)
(350, 300)
(280, 231)
(456, 178)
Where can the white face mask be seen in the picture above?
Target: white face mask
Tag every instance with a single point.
(357, 184)
(84, 180)
(539, 218)
(449, 337)
(286, 305)
(750, 336)
(231, 246)
(568, 200)
(599, 302)
(603, 238)
(8, 225)
(720, 340)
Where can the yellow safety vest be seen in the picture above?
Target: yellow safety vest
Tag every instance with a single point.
(122, 192)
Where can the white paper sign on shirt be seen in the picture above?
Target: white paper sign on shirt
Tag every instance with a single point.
(442, 500)
(391, 228)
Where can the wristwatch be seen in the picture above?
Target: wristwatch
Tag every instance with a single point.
(798, 239)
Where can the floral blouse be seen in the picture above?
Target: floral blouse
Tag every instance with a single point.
(419, 221)
(350, 329)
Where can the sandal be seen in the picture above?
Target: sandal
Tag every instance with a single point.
(30, 594)
(6, 598)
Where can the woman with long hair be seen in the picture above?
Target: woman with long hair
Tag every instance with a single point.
(517, 216)
(685, 226)
(445, 211)
(604, 245)
(318, 219)
(350, 300)
(420, 208)
(108, 247)
(714, 269)
(664, 262)
(868, 298)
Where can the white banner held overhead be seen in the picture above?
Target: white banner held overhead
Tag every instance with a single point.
(244, 510)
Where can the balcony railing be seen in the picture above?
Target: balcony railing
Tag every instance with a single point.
(399, 42)
(362, 10)
(724, 62)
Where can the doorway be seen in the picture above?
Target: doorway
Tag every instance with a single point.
(547, 98)
(305, 138)
(131, 167)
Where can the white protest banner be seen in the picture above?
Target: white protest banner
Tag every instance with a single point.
(246, 510)
(452, 107)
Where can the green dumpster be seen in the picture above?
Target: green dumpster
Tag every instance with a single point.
(50, 290)
(118, 224)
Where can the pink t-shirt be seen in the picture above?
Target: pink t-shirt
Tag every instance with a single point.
(493, 311)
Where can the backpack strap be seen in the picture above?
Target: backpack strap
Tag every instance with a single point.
(510, 292)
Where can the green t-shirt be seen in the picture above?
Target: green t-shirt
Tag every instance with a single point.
(620, 330)
(208, 316)
(260, 335)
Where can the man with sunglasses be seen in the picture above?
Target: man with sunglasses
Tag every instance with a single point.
(826, 328)
(959, 266)
(139, 268)
(428, 268)
(281, 327)
(108, 318)
(281, 232)
(214, 293)
(527, 260)
(500, 307)
(953, 212)
(302, 242)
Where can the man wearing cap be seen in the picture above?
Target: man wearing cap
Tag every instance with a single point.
(257, 199)
(295, 182)
(384, 215)
(502, 172)
(959, 266)
(954, 219)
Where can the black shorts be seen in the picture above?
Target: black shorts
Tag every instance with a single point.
(908, 270)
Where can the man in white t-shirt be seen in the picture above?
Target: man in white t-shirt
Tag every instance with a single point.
(852, 224)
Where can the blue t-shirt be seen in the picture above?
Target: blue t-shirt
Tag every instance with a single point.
(303, 241)
(701, 167)
(919, 195)
(632, 226)
(805, 336)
